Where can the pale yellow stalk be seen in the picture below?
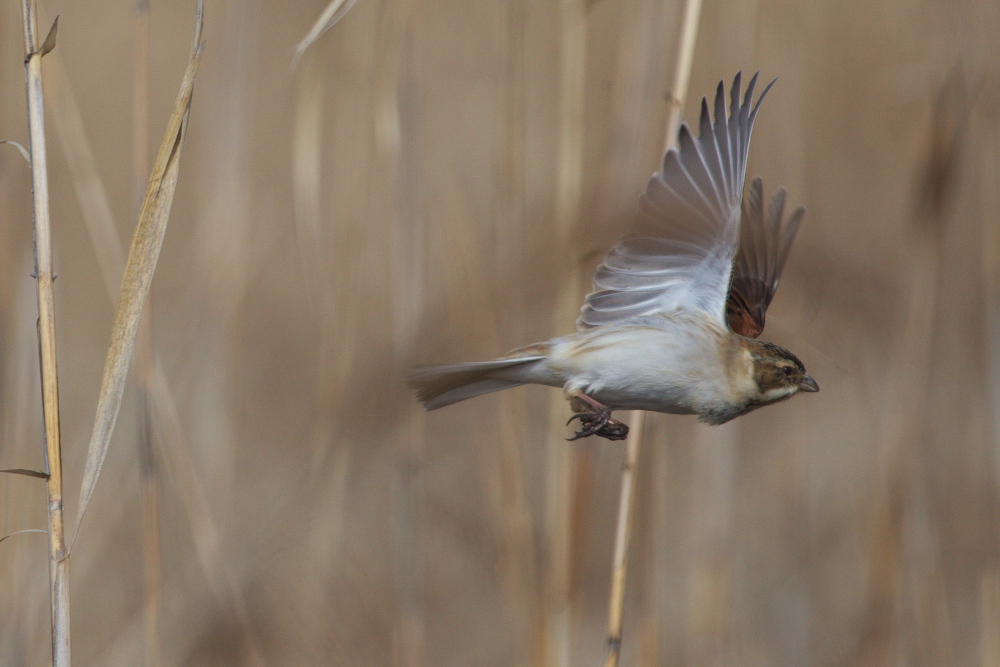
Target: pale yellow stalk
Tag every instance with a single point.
(633, 445)
(45, 276)
(561, 458)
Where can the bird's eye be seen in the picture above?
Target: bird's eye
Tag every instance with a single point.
(786, 371)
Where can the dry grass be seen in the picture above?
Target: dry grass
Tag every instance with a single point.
(633, 446)
(395, 199)
(44, 274)
(140, 264)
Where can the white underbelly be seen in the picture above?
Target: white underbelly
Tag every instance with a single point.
(642, 368)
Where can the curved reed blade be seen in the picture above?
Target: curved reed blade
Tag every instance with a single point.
(40, 474)
(334, 11)
(139, 268)
(22, 532)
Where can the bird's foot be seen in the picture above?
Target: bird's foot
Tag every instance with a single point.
(599, 422)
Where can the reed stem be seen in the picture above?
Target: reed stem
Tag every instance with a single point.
(633, 446)
(45, 278)
(145, 356)
(619, 565)
(562, 458)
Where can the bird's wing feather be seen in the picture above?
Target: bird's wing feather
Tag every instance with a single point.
(682, 254)
(763, 249)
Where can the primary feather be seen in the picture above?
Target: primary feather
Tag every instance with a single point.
(682, 256)
(764, 247)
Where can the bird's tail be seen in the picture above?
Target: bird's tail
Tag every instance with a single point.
(438, 386)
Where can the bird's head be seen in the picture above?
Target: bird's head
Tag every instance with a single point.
(778, 373)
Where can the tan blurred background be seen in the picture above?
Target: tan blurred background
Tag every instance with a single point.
(394, 201)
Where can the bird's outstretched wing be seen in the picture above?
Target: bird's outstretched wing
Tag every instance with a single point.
(764, 246)
(681, 256)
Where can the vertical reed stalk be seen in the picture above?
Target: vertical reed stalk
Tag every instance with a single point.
(619, 564)
(397, 108)
(58, 558)
(989, 619)
(682, 70)
(633, 445)
(152, 568)
(503, 468)
(561, 456)
(898, 458)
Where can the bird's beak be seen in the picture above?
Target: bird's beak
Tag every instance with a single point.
(808, 384)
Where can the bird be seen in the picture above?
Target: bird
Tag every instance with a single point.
(678, 304)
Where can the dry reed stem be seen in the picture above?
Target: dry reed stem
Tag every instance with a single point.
(85, 176)
(140, 102)
(102, 232)
(181, 474)
(517, 561)
(633, 445)
(500, 459)
(634, 96)
(988, 165)
(561, 456)
(181, 471)
(899, 460)
(396, 110)
(307, 162)
(333, 13)
(58, 556)
(623, 531)
(307, 172)
(631, 106)
(145, 358)
(139, 269)
(682, 70)
(989, 619)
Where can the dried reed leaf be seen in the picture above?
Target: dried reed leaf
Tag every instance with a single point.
(24, 151)
(139, 268)
(26, 530)
(50, 39)
(334, 11)
(40, 474)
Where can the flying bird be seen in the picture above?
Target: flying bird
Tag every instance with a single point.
(677, 306)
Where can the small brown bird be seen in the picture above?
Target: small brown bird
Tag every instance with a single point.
(677, 306)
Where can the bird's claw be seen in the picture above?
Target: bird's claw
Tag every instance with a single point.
(598, 422)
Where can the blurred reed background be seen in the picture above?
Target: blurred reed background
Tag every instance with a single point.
(394, 200)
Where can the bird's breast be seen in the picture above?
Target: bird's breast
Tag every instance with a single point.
(676, 365)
